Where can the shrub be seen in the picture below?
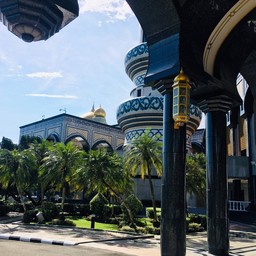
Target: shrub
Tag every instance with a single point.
(29, 216)
(135, 206)
(84, 209)
(69, 208)
(4, 209)
(14, 207)
(107, 211)
(194, 227)
(152, 230)
(150, 213)
(63, 222)
(97, 205)
(127, 229)
(200, 219)
(141, 222)
(116, 209)
(50, 211)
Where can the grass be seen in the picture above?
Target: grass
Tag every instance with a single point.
(83, 223)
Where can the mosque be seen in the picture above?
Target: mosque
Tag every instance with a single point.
(143, 111)
(90, 131)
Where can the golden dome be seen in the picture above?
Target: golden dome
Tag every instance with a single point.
(181, 77)
(89, 115)
(100, 112)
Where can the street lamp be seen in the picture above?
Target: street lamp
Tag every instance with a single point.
(35, 20)
(181, 99)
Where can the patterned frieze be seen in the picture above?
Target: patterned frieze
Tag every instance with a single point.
(54, 130)
(73, 131)
(136, 63)
(140, 104)
(133, 134)
(98, 136)
(67, 126)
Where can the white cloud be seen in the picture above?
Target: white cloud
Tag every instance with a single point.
(51, 96)
(114, 9)
(47, 75)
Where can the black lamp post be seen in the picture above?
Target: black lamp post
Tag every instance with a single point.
(35, 20)
(173, 214)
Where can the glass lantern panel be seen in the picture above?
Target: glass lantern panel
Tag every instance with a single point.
(183, 99)
(183, 109)
(183, 91)
(175, 91)
(175, 110)
(175, 101)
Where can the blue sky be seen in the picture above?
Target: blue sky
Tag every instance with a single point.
(80, 66)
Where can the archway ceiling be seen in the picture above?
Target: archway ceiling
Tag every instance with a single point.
(195, 21)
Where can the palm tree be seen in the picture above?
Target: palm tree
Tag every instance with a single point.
(39, 149)
(196, 174)
(144, 156)
(17, 169)
(103, 173)
(59, 164)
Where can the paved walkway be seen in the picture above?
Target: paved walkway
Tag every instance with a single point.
(242, 239)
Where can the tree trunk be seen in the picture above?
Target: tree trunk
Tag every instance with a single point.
(63, 197)
(152, 194)
(21, 198)
(122, 201)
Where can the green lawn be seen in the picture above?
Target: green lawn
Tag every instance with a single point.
(83, 223)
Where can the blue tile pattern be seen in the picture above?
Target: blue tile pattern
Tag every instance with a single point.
(140, 104)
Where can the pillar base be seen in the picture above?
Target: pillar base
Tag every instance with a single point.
(218, 252)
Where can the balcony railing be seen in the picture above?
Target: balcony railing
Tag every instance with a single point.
(239, 206)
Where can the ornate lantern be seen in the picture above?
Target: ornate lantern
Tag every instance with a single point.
(34, 20)
(181, 99)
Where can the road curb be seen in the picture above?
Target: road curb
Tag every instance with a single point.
(35, 240)
(117, 239)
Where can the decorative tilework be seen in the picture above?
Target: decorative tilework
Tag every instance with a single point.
(119, 142)
(53, 129)
(136, 133)
(39, 134)
(100, 136)
(75, 131)
(138, 104)
(136, 51)
(67, 126)
(139, 80)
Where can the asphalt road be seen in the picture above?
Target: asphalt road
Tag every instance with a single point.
(16, 248)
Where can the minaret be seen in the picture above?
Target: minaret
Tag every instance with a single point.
(144, 111)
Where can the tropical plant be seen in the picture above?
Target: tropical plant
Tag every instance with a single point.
(17, 169)
(103, 173)
(39, 149)
(26, 140)
(7, 144)
(196, 174)
(59, 164)
(143, 157)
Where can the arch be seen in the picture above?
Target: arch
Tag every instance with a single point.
(248, 102)
(222, 30)
(120, 147)
(102, 144)
(79, 141)
(54, 137)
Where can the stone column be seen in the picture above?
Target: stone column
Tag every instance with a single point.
(217, 186)
(173, 212)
